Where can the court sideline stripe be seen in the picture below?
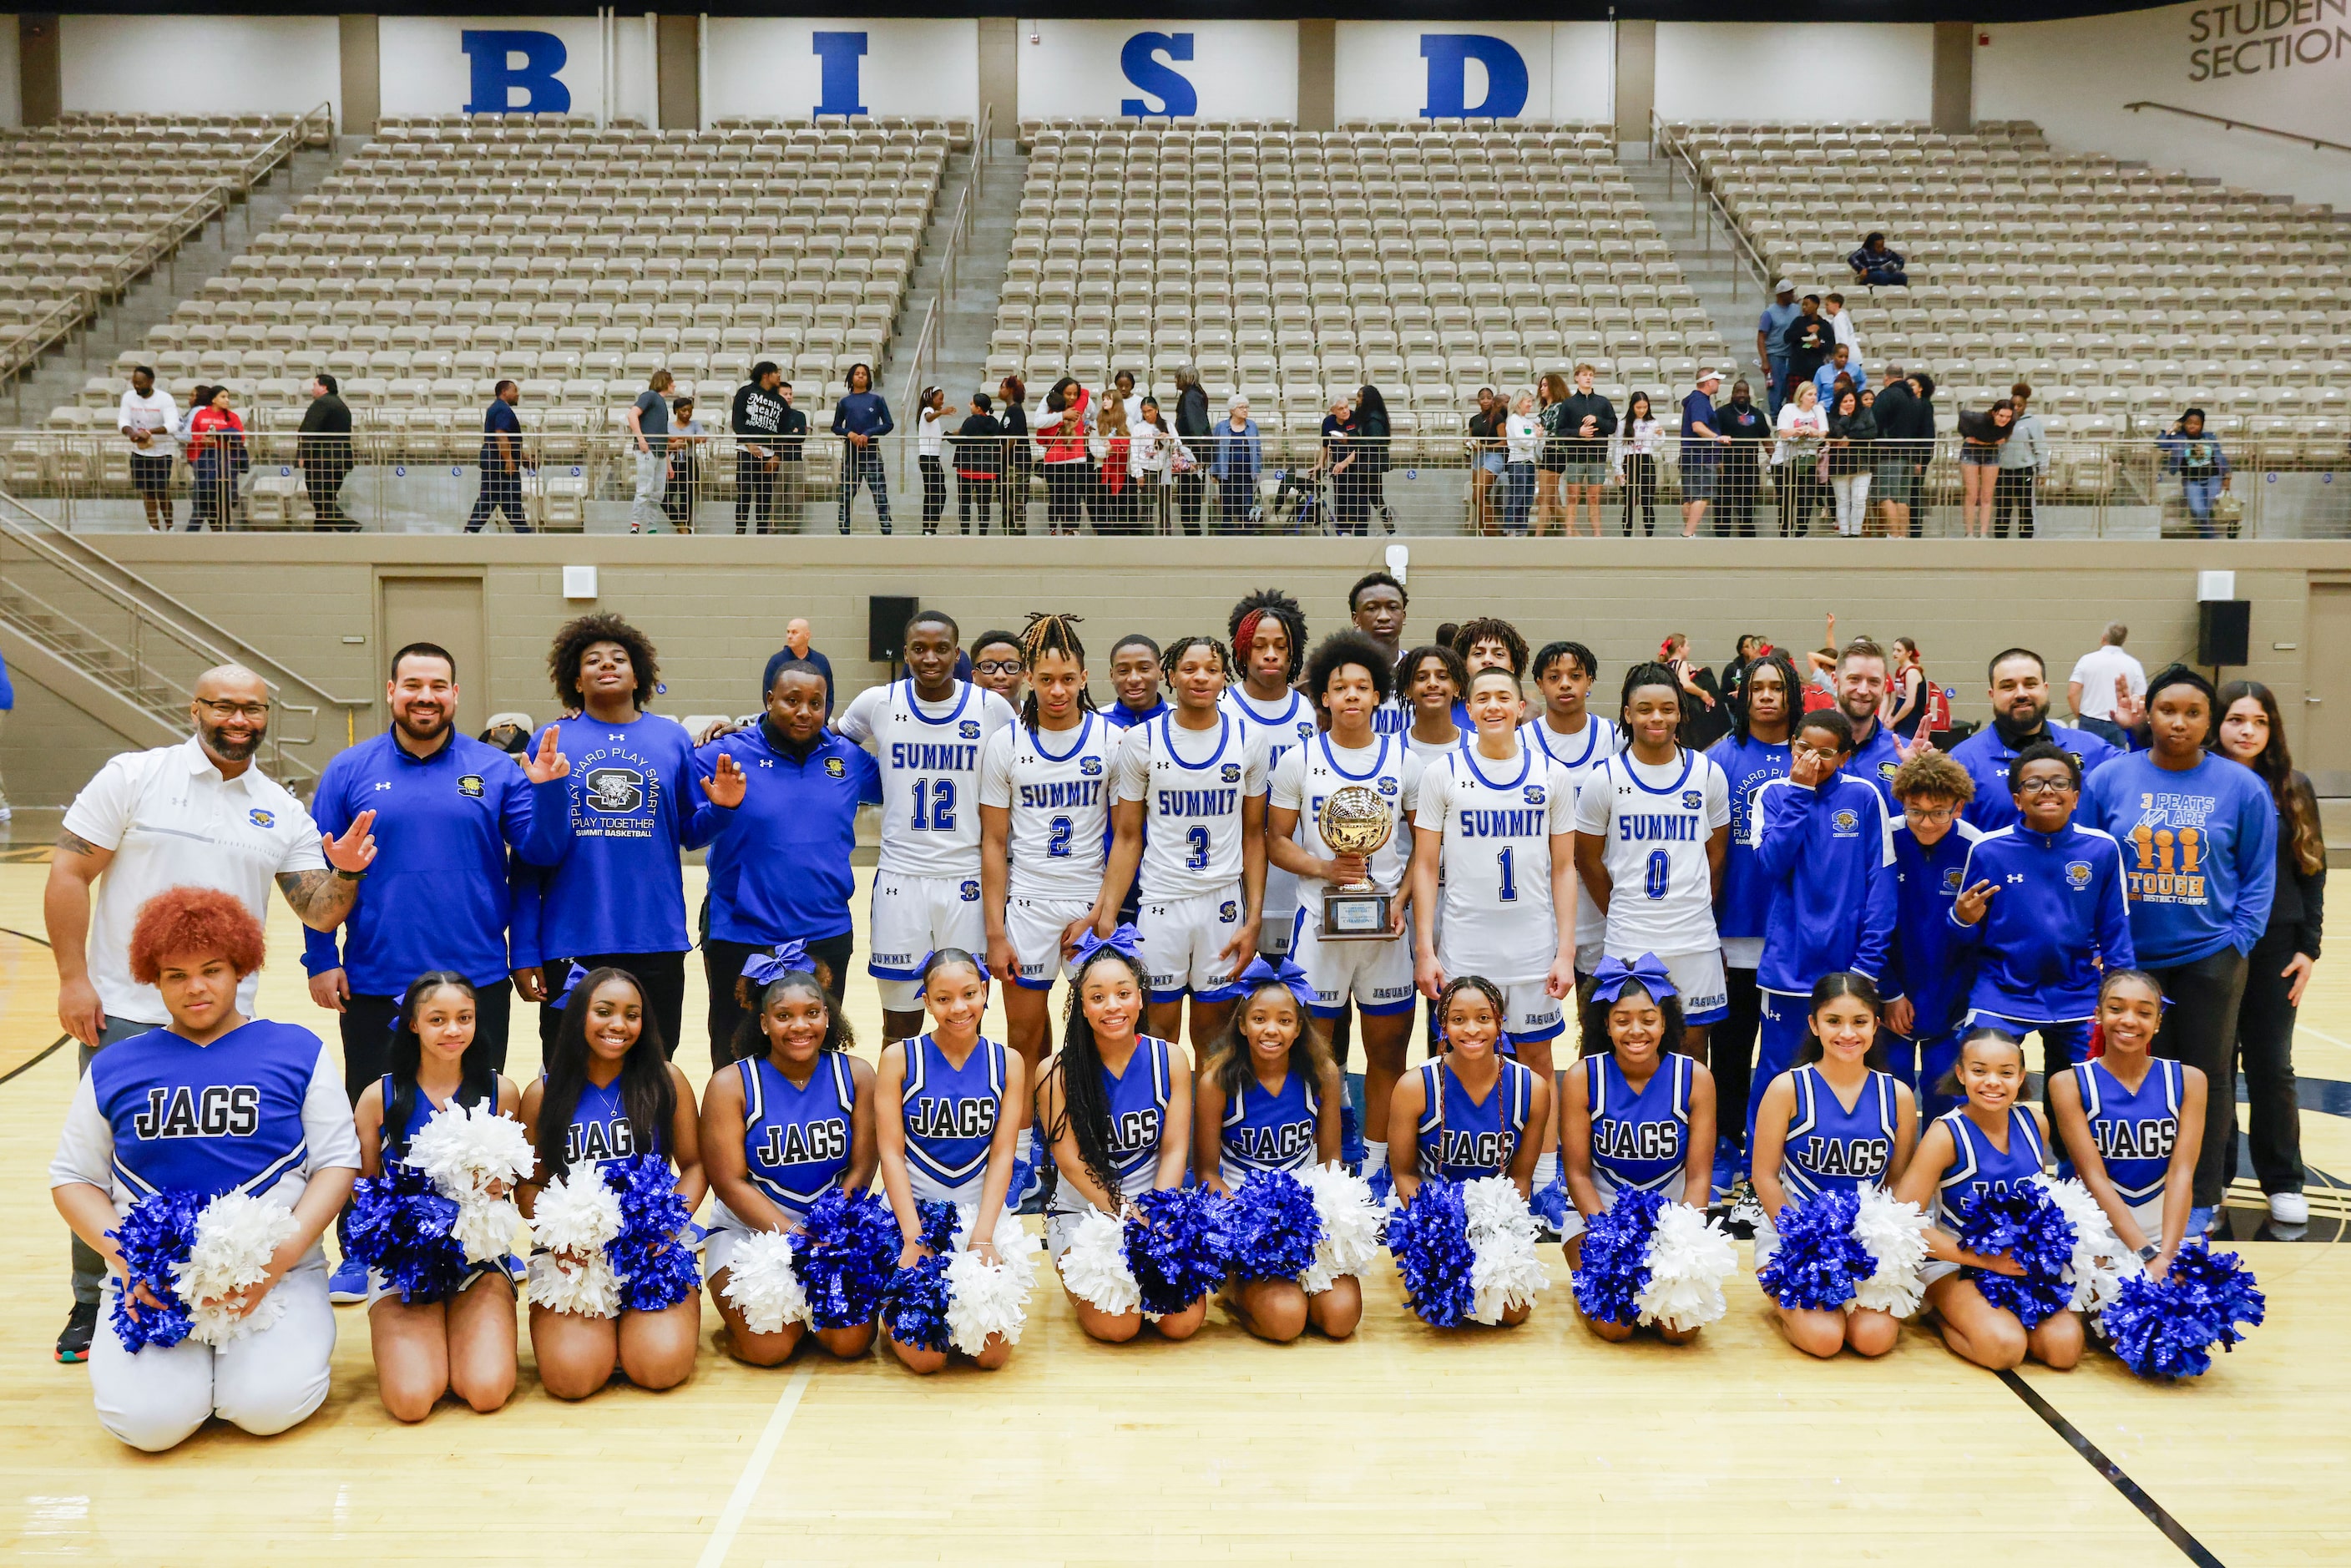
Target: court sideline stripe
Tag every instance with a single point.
(754, 1472)
(22, 1068)
(2195, 1551)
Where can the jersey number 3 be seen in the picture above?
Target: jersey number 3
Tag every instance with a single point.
(1198, 859)
(935, 805)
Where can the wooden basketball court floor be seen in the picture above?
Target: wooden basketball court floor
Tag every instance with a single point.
(1407, 1445)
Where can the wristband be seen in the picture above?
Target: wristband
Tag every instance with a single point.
(350, 875)
(2146, 1254)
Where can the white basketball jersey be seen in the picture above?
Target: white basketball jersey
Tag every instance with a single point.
(1280, 727)
(1654, 823)
(1314, 773)
(1191, 783)
(1430, 753)
(1056, 786)
(1581, 754)
(1497, 819)
(930, 755)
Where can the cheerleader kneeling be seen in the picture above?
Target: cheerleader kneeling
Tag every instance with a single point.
(610, 1094)
(215, 1116)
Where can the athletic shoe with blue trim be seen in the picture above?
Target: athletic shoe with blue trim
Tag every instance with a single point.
(1550, 1208)
(1383, 1185)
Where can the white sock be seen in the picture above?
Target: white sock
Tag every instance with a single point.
(1028, 1145)
(1546, 1170)
(1375, 1159)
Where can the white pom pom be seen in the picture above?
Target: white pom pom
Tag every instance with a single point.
(584, 1287)
(2098, 1252)
(576, 1213)
(763, 1284)
(465, 1150)
(1094, 1266)
(1504, 1273)
(1351, 1225)
(1689, 1258)
(236, 1235)
(1895, 1234)
(992, 1299)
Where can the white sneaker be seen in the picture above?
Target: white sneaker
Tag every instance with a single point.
(2289, 1208)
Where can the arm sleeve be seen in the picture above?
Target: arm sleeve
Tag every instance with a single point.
(869, 779)
(856, 720)
(327, 1118)
(1287, 788)
(698, 819)
(888, 423)
(840, 419)
(102, 813)
(1968, 936)
(319, 953)
(536, 819)
(2256, 853)
(995, 772)
(1880, 890)
(86, 1143)
(1780, 836)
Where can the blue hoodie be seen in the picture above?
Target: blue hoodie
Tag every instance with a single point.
(1932, 962)
(2059, 910)
(1828, 856)
(1746, 901)
(635, 803)
(1986, 758)
(2199, 846)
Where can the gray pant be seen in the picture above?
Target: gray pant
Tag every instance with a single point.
(652, 482)
(88, 1268)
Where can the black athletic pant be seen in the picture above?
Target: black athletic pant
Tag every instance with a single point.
(1730, 1055)
(755, 493)
(367, 1033)
(2011, 495)
(661, 976)
(2200, 1029)
(2265, 1055)
(722, 966)
(501, 492)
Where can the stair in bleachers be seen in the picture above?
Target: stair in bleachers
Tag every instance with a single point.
(1704, 250)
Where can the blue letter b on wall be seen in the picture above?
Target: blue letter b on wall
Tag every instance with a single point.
(1448, 56)
(498, 76)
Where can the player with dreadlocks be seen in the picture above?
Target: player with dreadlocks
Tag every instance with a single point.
(1269, 633)
(1190, 818)
(1044, 828)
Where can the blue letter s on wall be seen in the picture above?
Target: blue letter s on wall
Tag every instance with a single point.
(1448, 56)
(1176, 94)
(496, 75)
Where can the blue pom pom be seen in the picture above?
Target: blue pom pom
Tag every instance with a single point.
(1430, 1239)
(657, 1270)
(1819, 1264)
(400, 1226)
(158, 1232)
(1178, 1248)
(1550, 1204)
(914, 1302)
(1272, 1228)
(2020, 1222)
(2167, 1328)
(1615, 1257)
(844, 1257)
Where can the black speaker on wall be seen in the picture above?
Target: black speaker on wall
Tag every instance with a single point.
(886, 627)
(2224, 632)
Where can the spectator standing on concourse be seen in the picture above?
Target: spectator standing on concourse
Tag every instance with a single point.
(1840, 366)
(148, 421)
(1741, 484)
(1852, 431)
(860, 416)
(1806, 345)
(977, 447)
(1239, 455)
(2202, 467)
(1020, 454)
(1634, 451)
(216, 455)
(686, 434)
(649, 428)
(1803, 424)
(798, 646)
(1981, 437)
(1841, 323)
(2022, 462)
(1771, 341)
(1372, 433)
(757, 421)
(1906, 444)
(1192, 431)
(2090, 691)
(1701, 463)
(323, 447)
(502, 462)
(1586, 422)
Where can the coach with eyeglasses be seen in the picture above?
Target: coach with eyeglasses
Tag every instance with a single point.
(196, 814)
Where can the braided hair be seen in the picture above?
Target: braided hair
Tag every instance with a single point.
(1085, 1103)
(1270, 604)
(1454, 988)
(479, 1080)
(1047, 633)
(1652, 673)
(1174, 655)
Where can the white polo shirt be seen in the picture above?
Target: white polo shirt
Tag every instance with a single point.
(2096, 671)
(173, 821)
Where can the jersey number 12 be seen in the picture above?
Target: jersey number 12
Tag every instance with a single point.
(935, 805)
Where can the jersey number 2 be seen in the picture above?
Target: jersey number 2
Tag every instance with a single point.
(1057, 838)
(935, 805)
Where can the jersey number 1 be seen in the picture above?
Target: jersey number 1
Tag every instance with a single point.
(935, 805)
(1509, 875)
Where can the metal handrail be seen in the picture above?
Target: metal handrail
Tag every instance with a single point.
(959, 229)
(1701, 187)
(2316, 142)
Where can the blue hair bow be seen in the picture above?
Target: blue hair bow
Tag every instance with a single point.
(1126, 942)
(784, 958)
(1614, 974)
(570, 983)
(1288, 976)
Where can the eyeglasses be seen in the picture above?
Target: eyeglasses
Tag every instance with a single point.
(1929, 815)
(225, 711)
(1819, 753)
(996, 666)
(2044, 786)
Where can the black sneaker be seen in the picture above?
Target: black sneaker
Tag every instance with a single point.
(73, 1344)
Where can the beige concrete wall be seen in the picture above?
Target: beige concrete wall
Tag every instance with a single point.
(717, 607)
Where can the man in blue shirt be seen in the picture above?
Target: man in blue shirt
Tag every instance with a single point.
(779, 866)
(858, 419)
(501, 463)
(1876, 264)
(1770, 328)
(2019, 718)
(1700, 461)
(2199, 837)
(796, 649)
(1931, 962)
(1877, 751)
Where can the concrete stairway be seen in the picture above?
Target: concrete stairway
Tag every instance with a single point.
(959, 359)
(1726, 286)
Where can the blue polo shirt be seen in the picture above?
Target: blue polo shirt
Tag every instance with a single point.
(436, 897)
(1118, 716)
(1986, 758)
(784, 656)
(779, 868)
(1876, 760)
(1697, 450)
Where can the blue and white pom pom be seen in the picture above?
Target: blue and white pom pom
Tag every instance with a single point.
(651, 1257)
(2093, 1271)
(1352, 1221)
(1646, 1260)
(154, 1238)
(1176, 1247)
(1857, 1249)
(2167, 1328)
(476, 1158)
(1094, 1266)
(193, 1254)
(763, 1284)
(1273, 1229)
(845, 1255)
(400, 1227)
(2021, 1221)
(574, 1219)
(1466, 1251)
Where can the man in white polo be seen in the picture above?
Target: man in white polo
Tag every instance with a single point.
(198, 814)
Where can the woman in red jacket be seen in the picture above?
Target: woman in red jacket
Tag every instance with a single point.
(216, 453)
(1113, 446)
(1061, 452)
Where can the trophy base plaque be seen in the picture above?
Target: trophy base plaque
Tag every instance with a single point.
(1355, 915)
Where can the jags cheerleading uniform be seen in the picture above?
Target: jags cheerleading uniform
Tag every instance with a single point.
(1266, 1132)
(1376, 974)
(1138, 1120)
(601, 1129)
(1278, 729)
(1830, 1148)
(1978, 1166)
(796, 1144)
(1638, 1141)
(2135, 1134)
(2058, 915)
(395, 1149)
(1581, 754)
(951, 1114)
(1496, 821)
(1654, 824)
(926, 887)
(1460, 1138)
(1193, 784)
(257, 1111)
(1054, 787)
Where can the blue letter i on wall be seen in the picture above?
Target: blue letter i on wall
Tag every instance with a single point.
(839, 53)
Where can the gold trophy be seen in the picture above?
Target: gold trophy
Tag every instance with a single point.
(1354, 820)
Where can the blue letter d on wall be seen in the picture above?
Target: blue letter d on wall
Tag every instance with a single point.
(1448, 56)
(498, 76)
